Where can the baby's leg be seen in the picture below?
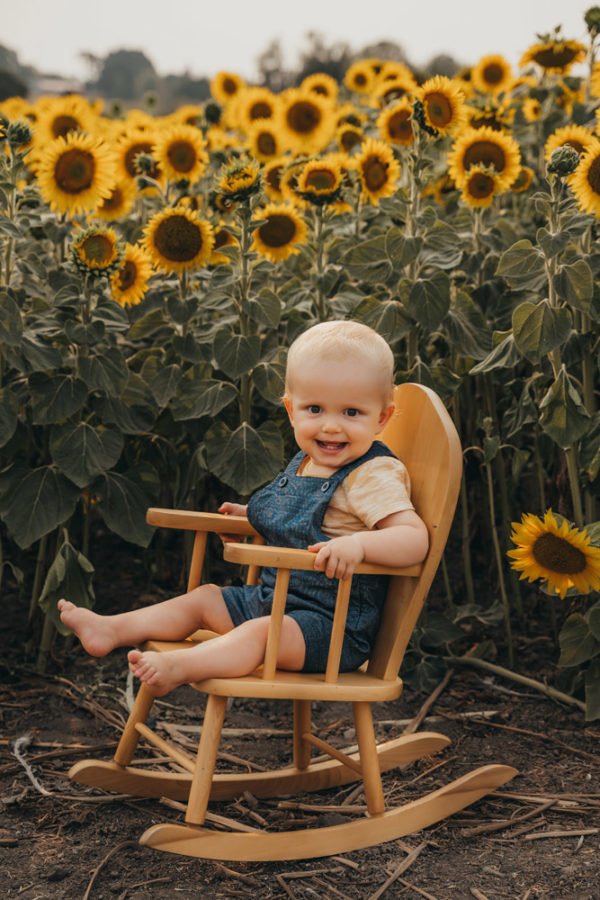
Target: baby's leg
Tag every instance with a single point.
(171, 620)
(239, 652)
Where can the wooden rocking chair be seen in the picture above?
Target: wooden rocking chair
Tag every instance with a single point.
(422, 434)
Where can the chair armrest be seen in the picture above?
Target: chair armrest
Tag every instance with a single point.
(289, 558)
(189, 520)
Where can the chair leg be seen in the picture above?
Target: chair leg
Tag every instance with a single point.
(302, 718)
(371, 775)
(130, 737)
(207, 757)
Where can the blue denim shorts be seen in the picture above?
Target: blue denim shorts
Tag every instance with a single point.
(253, 601)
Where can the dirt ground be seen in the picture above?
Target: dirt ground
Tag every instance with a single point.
(536, 837)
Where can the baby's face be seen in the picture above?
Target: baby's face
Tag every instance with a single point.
(336, 409)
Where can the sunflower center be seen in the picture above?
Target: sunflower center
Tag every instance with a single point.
(481, 185)
(182, 156)
(62, 125)
(555, 56)
(114, 201)
(349, 139)
(277, 231)
(375, 173)
(593, 175)
(266, 144)
(260, 110)
(229, 86)
(488, 120)
(439, 109)
(98, 249)
(178, 239)
(485, 153)
(320, 89)
(557, 555)
(222, 238)
(303, 117)
(360, 79)
(399, 125)
(132, 152)
(576, 145)
(493, 73)
(127, 275)
(273, 177)
(74, 170)
(321, 180)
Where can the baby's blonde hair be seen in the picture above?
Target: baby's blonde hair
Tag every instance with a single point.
(341, 340)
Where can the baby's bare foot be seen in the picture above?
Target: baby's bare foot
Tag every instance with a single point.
(162, 672)
(95, 632)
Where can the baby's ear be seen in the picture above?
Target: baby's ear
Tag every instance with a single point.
(288, 405)
(386, 414)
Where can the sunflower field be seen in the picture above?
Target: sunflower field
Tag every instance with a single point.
(154, 269)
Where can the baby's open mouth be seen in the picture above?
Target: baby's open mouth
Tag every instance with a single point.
(331, 445)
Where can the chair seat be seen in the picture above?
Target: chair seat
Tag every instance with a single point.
(350, 686)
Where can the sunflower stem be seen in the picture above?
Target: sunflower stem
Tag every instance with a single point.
(320, 309)
(464, 517)
(573, 470)
(37, 578)
(499, 564)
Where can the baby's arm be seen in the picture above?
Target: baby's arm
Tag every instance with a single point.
(399, 539)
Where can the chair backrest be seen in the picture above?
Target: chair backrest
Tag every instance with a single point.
(422, 434)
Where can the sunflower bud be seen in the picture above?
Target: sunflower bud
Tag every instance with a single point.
(212, 113)
(18, 134)
(563, 161)
(240, 180)
(592, 20)
(144, 162)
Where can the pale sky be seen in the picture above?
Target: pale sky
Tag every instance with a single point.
(204, 37)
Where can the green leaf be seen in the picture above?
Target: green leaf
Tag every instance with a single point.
(269, 379)
(39, 501)
(108, 372)
(128, 419)
(82, 452)
(164, 384)
(466, 327)
(539, 328)
(245, 458)
(577, 643)
(375, 259)
(523, 266)
(438, 629)
(9, 413)
(552, 244)
(593, 617)
(123, 504)
(265, 308)
(202, 398)
(148, 325)
(89, 333)
(235, 354)
(429, 300)
(55, 399)
(504, 356)
(181, 311)
(70, 575)
(564, 417)
(592, 691)
(11, 323)
(39, 355)
(386, 317)
(574, 283)
(191, 350)
(442, 246)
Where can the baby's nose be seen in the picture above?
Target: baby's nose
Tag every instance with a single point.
(331, 425)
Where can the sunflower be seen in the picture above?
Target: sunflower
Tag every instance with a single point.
(272, 175)
(288, 182)
(392, 89)
(492, 75)
(225, 86)
(360, 77)
(480, 187)
(491, 115)
(532, 109)
(554, 55)
(264, 141)
(118, 203)
(576, 136)
(306, 121)
(255, 104)
(585, 181)
(378, 170)
(348, 137)
(486, 147)
(180, 152)
(130, 282)
(322, 84)
(443, 104)
(395, 122)
(188, 114)
(59, 116)
(560, 555)
(75, 173)
(96, 251)
(320, 181)
(223, 238)
(523, 180)
(240, 179)
(279, 230)
(178, 240)
(128, 147)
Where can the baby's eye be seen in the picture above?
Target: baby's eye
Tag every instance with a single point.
(352, 412)
(314, 409)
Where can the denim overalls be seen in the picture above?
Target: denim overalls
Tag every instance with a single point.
(289, 512)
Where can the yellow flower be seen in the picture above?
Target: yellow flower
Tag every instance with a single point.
(178, 240)
(180, 152)
(96, 251)
(134, 141)
(491, 115)
(225, 85)
(272, 175)
(320, 180)
(118, 203)
(240, 179)
(378, 170)
(322, 84)
(59, 116)
(348, 137)
(554, 55)
(264, 140)
(391, 89)
(255, 104)
(576, 136)
(395, 122)
(560, 555)
(532, 109)
(130, 282)
(595, 80)
(486, 147)
(360, 77)
(306, 121)
(480, 187)
(491, 75)
(523, 180)
(280, 229)
(75, 173)
(443, 104)
(585, 180)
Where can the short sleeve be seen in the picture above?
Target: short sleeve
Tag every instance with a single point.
(378, 488)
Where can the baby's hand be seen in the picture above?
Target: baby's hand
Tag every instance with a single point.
(340, 556)
(231, 509)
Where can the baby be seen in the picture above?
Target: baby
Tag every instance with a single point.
(344, 496)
